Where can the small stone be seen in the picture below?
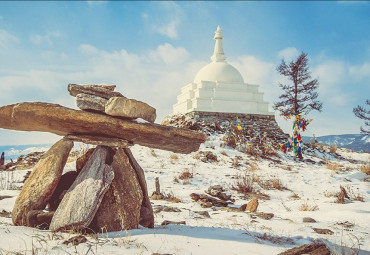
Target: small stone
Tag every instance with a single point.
(265, 216)
(167, 222)
(164, 208)
(88, 102)
(205, 214)
(323, 231)
(252, 205)
(76, 240)
(308, 220)
(130, 108)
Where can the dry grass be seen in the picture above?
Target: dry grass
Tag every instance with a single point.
(235, 162)
(329, 194)
(295, 196)
(306, 207)
(253, 167)
(197, 156)
(244, 185)
(224, 153)
(174, 158)
(185, 177)
(170, 197)
(333, 166)
(273, 183)
(365, 169)
(353, 195)
(152, 152)
(275, 239)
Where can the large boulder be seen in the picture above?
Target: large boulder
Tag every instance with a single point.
(130, 108)
(120, 207)
(146, 212)
(82, 200)
(60, 120)
(42, 182)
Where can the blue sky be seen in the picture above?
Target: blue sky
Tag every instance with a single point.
(151, 49)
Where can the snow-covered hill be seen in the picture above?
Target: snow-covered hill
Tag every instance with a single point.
(291, 194)
(356, 142)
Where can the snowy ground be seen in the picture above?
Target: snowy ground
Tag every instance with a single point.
(309, 191)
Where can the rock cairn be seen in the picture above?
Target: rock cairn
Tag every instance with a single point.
(108, 190)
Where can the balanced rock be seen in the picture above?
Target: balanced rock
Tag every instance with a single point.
(41, 183)
(63, 121)
(82, 200)
(120, 207)
(96, 90)
(90, 102)
(130, 108)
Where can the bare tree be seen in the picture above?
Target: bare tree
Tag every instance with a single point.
(363, 114)
(301, 96)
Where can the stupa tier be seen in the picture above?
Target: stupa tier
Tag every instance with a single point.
(219, 87)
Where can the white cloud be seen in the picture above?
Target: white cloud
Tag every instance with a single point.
(47, 38)
(167, 20)
(360, 71)
(288, 54)
(330, 74)
(6, 38)
(169, 54)
(88, 49)
(169, 29)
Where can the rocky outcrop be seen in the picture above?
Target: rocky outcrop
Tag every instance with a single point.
(252, 205)
(63, 121)
(130, 108)
(86, 193)
(120, 208)
(42, 182)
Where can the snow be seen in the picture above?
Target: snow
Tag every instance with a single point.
(224, 232)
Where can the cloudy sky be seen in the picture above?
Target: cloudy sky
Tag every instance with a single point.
(151, 49)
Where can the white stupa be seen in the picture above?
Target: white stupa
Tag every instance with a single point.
(219, 87)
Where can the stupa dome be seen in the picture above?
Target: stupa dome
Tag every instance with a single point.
(220, 72)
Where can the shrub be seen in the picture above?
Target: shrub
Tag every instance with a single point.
(333, 148)
(244, 184)
(306, 207)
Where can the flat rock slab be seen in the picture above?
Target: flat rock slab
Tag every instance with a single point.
(96, 90)
(41, 183)
(63, 121)
(90, 102)
(82, 200)
(130, 108)
(120, 207)
(99, 140)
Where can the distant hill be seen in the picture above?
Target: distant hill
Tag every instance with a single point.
(355, 142)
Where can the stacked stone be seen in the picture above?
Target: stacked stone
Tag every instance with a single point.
(103, 99)
(108, 191)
